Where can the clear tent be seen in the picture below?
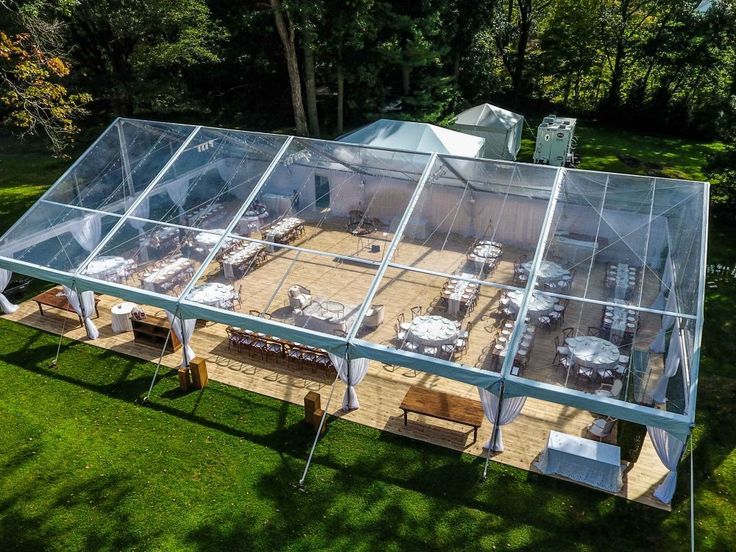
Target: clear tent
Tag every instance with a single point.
(142, 180)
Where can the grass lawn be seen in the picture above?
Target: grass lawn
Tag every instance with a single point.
(82, 466)
(599, 148)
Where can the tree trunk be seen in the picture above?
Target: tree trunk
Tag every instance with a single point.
(525, 25)
(286, 34)
(340, 97)
(311, 87)
(613, 98)
(405, 79)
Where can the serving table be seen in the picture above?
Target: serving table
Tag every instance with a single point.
(583, 460)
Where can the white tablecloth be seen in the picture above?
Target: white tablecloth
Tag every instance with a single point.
(210, 238)
(547, 271)
(170, 272)
(213, 294)
(456, 297)
(593, 352)
(282, 228)
(238, 257)
(539, 304)
(111, 269)
(590, 462)
(251, 221)
(624, 281)
(121, 317)
(618, 318)
(432, 331)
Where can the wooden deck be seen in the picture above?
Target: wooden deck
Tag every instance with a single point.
(384, 387)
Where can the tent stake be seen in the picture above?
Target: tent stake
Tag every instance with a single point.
(319, 431)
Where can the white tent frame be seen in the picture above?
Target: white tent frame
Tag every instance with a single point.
(351, 346)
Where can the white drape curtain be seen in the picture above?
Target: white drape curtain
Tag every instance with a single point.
(88, 232)
(84, 309)
(5, 305)
(669, 449)
(657, 346)
(142, 211)
(177, 191)
(358, 368)
(671, 364)
(510, 410)
(183, 330)
(660, 302)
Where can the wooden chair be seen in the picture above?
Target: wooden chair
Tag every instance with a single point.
(593, 331)
(416, 311)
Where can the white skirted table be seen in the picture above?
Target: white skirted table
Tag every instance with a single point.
(213, 294)
(539, 305)
(485, 253)
(121, 317)
(108, 268)
(432, 331)
(590, 462)
(593, 352)
(548, 271)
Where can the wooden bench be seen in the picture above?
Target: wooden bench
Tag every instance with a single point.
(444, 407)
(51, 299)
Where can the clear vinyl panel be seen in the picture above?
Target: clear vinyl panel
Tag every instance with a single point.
(119, 166)
(441, 317)
(211, 179)
(478, 219)
(348, 199)
(305, 290)
(56, 237)
(609, 350)
(152, 257)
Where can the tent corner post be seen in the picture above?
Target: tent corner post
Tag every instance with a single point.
(147, 399)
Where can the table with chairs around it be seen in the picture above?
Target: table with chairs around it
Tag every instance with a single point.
(285, 230)
(484, 255)
(543, 310)
(432, 335)
(499, 346)
(459, 296)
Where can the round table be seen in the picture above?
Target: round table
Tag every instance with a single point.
(432, 331)
(487, 250)
(109, 268)
(213, 294)
(121, 317)
(593, 352)
(539, 304)
(547, 271)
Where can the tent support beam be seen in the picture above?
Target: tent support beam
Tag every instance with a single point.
(319, 431)
(146, 399)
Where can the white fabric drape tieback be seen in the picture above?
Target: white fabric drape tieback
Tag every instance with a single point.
(353, 372)
(510, 410)
(669, 449)
(671, 364)
(5, 305)
(84, 309)
(183, 330)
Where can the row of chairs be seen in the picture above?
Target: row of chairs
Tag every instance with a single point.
(259, 344)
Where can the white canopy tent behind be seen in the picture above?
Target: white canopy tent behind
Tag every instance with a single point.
(412, 136)
(500, 128)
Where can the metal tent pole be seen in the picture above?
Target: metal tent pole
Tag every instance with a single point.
(321, 425)
(146, 399)
(494, 433)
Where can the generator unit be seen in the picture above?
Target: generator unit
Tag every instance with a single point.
(556, 142)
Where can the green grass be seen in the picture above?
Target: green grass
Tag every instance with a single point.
(599, 148)
(82, 466)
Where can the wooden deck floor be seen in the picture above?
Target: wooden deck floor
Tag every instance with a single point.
(265, 289)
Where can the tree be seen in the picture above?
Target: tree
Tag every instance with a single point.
(136, 51)
(31, 91)
(286, 32)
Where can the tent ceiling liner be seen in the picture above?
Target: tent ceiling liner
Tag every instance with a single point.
(141, 181)
(412, 136)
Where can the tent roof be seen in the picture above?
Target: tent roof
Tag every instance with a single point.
(141, 180)
(491, 116)
(412, 136)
